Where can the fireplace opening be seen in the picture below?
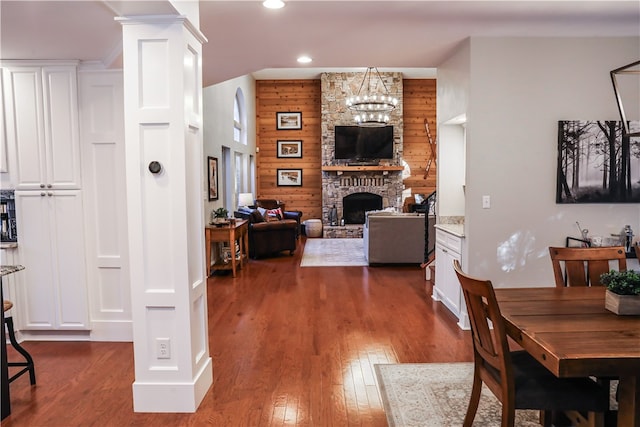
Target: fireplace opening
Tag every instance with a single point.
(355, 205)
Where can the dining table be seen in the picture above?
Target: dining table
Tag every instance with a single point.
(571, 333)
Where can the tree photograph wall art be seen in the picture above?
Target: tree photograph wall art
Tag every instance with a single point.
(596, 163)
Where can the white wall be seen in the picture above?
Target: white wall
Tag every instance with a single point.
(101, 107)
(519, 89)
(453, 101)
(218, 128)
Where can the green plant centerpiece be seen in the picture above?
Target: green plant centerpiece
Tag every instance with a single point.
(220, 215)
(623, 291)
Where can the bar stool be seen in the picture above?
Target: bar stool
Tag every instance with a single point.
(27, 365)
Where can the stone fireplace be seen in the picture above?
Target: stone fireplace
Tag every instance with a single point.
(339, 180)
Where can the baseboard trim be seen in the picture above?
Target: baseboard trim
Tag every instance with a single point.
(175, 397)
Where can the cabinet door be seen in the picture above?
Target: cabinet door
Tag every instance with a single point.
(51, 248)
(24, 126)
(42, 127)
(69, 263)
(38, 292)
(447, 283)
(60, 111)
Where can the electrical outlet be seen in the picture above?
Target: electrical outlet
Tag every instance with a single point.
(163, 348)
(486, 202)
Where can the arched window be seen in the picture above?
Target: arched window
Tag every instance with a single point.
(239, 118)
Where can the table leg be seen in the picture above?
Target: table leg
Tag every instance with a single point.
(6, 402)
(245, 238)
(232, 249)
(629, 401)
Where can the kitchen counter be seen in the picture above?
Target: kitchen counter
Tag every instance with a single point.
(455, 229)
(8, 245)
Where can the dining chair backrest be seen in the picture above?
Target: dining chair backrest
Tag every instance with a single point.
(490, 346)
(583, 266)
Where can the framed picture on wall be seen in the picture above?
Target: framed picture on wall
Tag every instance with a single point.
(291, 120)
(290, 149)
(212, 177)
(596, 164)
(289, 178)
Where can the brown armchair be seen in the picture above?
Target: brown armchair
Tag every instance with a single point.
(270, 237)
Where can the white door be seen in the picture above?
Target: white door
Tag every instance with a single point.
(24, 126)
(50, 226)
(38, 292)
(61, 127)
(42, 126)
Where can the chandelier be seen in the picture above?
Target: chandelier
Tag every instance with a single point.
(632, 68)
(371, 106)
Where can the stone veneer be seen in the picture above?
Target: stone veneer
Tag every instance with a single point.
(335, 88)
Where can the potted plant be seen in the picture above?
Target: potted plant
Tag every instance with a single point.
(623, 291)
(220, 215)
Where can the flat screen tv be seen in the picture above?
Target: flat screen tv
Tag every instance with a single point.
(363, 143)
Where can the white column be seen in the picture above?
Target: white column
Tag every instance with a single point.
(163, 123)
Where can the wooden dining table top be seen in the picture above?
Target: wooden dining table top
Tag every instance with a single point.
(570, 332)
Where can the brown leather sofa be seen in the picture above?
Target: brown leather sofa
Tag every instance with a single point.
(267, 238)
(275, 204)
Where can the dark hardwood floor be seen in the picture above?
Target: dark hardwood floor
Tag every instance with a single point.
(290, 346)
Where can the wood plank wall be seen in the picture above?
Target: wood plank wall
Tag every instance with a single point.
(303, 96)
(419, 104)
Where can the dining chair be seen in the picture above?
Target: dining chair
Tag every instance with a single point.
(583, 266)
(516, 379)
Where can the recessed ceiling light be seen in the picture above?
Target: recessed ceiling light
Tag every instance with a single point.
(304, 59)
(273, 4)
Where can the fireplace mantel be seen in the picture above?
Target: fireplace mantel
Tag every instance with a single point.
(345, 168)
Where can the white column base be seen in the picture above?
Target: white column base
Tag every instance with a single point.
(173, 397)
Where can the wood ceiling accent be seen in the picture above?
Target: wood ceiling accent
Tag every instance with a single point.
(273, 96)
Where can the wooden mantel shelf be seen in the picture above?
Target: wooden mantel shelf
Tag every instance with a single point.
(345, 168)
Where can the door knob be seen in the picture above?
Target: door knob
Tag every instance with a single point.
(155, 167)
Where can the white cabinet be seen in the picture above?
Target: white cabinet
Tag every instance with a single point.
(41, 109)
(53, 295)
(447, 287)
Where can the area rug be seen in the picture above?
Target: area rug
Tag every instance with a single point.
(437, 395)
(333, 253)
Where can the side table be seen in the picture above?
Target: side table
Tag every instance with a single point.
(236, 231)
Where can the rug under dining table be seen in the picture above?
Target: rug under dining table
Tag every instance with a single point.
(437, 395)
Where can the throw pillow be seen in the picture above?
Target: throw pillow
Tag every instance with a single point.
(274, 214)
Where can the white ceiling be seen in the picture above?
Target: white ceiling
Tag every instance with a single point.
(409, 36)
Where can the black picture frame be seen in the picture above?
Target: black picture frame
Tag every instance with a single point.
(289, 177)
(594, 163)
(291, 120)
(289, 149)
(212, 178)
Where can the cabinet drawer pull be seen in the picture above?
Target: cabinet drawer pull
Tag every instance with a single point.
(49, 194)
(49, 186)
(43, 194)
(41, 185)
